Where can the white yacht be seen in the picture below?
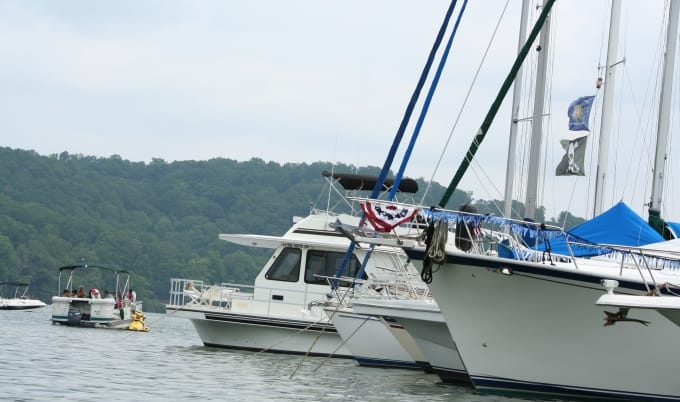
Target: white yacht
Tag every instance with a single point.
(284, 310)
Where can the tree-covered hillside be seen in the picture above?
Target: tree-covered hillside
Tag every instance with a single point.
(160, 220)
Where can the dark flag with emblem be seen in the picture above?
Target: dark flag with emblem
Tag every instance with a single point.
(574, 156)
(579, 113)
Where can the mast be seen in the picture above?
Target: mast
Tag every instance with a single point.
(537, 123)
(663, 127)
(516, 94)
(607, 104)
(493, 110)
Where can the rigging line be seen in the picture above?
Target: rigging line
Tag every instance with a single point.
(604, 28)
(495, 105)
(643, 132)
(419, 123)
(400, 132)
(571, 198)
(667, 184)
(344, 341)
(619, 117)
(648, 143)
(614, 175)
(412, 102)
(467, 96)
(525, 135)
(481, 182)
(532, 61)
(426, 104)
(294, 335)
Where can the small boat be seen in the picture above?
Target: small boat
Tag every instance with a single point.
(137, 323)
(116, 309)
(17, 298)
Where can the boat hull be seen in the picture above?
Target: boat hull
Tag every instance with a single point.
(263, 333)
(94, 313)
(20, 304)
(539, 330)
(425, 324)
(372, 343)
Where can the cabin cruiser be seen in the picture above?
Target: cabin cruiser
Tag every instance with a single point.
(285, 310)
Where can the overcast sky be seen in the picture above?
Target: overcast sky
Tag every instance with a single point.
(307, 81)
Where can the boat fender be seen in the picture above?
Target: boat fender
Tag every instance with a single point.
(426, 272)
(463, 230)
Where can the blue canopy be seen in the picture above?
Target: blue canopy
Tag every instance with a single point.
(675, 228)
(619, 225)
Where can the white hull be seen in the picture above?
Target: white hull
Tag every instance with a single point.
(426, 326)
(20, 304)
(98, 313)
(371, 342)
(263, 333)
(540, 330)
(283, 311)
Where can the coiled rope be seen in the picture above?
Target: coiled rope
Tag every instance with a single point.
(437, 234)
(440, 236)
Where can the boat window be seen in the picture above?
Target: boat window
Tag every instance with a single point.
(286, 267)
(321, 264)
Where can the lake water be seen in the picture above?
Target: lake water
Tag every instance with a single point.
(41, 361)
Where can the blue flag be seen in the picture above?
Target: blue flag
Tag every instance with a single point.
(579, 113)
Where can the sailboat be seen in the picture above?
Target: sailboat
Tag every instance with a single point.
(524, 322)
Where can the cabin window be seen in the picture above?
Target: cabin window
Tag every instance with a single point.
(321, 264)
(286, 267)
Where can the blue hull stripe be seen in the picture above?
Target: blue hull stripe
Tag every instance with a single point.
(374, 362)
(501, 385)
(263, 321)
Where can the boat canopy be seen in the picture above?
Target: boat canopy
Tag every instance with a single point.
(351, 181)
(14, 283)
(88, 266)
(674, 227)
(618, 225)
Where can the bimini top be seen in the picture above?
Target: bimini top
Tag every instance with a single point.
(86, 266)
(350, 181)
(14, 283)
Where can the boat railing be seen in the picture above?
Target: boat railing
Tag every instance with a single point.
(189, 292)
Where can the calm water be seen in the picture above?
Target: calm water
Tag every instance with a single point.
(41, 361)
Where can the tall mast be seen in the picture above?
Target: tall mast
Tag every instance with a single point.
(516, 95)
(663, 127)
(493, 110)
(537, 123)
(607, 104)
